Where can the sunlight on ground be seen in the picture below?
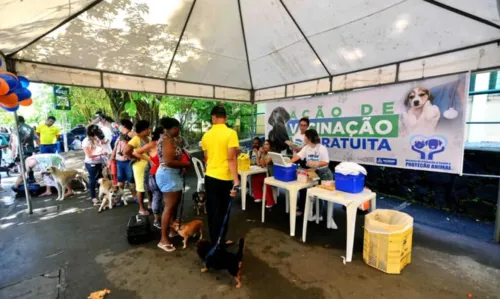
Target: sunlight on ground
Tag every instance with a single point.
(45, 213)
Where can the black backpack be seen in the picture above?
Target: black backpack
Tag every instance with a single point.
(139, 229)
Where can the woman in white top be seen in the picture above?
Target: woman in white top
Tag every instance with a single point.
(316, 156)
(95, 157)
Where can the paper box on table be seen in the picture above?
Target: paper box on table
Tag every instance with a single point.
(243, 162)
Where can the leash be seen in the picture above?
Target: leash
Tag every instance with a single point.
(185, 156)
(226, 217)
(182, 200)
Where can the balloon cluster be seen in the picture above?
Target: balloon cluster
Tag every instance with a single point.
(14, 91)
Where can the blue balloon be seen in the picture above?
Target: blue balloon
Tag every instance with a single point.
(22, 94)
(24, 81)
(14, 109)
(11, 80)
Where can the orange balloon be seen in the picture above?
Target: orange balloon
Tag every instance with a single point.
(26, 102)
(4, 87)
(9, 101)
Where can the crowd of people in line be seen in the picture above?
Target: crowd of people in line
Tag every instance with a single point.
(152, 164)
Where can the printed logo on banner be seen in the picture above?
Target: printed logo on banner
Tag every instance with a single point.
(426, 148)
(387, 161)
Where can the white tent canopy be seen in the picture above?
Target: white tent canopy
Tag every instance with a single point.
(246, 50)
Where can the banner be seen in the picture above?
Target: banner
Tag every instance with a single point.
(61, 98)
(414, 125)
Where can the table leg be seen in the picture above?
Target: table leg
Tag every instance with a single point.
(318, 213)
(263, 202)
(293, 210)
(249, 179)
(373, 203)
(243, 192)
(287, 195)
(304, 223)
(352, 210)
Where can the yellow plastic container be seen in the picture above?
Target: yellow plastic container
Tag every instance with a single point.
(388, 240)
(243, 162)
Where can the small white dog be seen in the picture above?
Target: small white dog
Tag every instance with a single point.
(421, 116)
(64, 177)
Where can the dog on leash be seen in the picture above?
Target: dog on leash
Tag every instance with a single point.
(221, 259)
(109, 194)
(189, 229)
(64, 177)
(199, 201)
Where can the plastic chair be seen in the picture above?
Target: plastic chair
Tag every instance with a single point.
(200, 172)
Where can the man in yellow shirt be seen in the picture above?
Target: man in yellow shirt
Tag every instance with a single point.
(48, 135)
(221, 146)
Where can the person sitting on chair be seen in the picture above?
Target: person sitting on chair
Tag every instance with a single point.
(40, 163)
(263, 160)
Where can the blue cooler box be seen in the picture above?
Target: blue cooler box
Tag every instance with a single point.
(284, 173)
(350, 183)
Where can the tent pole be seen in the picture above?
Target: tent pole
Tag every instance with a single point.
(252, 99)
(497, 222)
(23, 171)
(253, 121)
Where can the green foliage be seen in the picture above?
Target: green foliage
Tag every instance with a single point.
(193, 114)
(131, 108)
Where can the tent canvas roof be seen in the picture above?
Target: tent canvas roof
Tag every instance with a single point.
(237, 49)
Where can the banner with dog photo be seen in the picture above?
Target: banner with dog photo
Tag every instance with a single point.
(413, 125)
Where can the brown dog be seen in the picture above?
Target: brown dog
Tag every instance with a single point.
(109, 194)
(64, 177)
(188, 229)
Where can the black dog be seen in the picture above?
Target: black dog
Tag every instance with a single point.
(278, 135)
(199, 200)
(221, 259)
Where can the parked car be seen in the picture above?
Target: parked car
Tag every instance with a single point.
(81, 132)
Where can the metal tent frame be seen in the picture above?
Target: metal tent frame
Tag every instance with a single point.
(476, 57)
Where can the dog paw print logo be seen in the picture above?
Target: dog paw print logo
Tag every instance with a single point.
(428, 146)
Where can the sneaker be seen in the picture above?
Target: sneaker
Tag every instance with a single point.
(258, 200)
(157, 224)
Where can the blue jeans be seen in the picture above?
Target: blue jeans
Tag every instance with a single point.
(48, 149)
(168, 179)
(156, 194)
(95, 173)
(124, 172)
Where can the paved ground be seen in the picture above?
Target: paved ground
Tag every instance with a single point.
(68, 250)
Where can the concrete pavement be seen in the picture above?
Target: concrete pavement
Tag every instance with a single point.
(67, 250)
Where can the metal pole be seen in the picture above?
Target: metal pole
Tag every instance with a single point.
(253, 121)
(497, 222)
(65, 136)
(23, 171)
(252, 100)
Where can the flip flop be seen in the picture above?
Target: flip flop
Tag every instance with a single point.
(166, 247)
